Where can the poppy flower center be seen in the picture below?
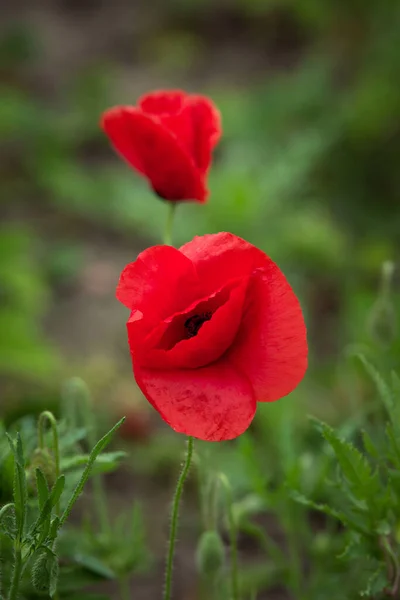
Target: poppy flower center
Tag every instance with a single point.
(192, 324)
(185, 326)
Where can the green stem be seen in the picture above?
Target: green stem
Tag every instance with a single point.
(175, 518)
(16, 577)
(233, 538)
(49, 417)
(169, 223)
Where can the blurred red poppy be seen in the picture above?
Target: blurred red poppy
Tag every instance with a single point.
(167, 138)
(214, 328)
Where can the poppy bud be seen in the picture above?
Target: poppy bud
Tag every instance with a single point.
(41, 459)
(210, 554)
(45, 573)
(168, 138)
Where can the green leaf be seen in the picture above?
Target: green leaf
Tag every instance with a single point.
(8, 521)
(395, 383)
(349, 521)
(376, 583)
(94, 565)
(354, 550)
(45, 571)
(42, 523)
(73, 579)
(54, 527)
(101, 444)
(20, 485)
(42, 488)
(370, 446)
(355, 467)
(394, 447)
(383, 528)
(69, 438)
(20, 451)
(57, 490)
(382, 387)
(104, 463)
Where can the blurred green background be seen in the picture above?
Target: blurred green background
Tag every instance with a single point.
(308, 169)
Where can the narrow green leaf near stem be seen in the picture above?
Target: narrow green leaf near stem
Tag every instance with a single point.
(20, 485)
(44, 518)
(175, 518)
(167, 238)
(101, 444)
(99, 492)
(20, 502)
(49, 417)
(233, 538)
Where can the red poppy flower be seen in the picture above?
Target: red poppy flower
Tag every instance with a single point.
(167, 138)
(214, 328)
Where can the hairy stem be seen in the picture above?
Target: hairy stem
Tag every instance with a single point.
(17, 572)
(233, 538)
(175, 518)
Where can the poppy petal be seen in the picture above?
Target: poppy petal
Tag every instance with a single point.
(221, 257)
(194, 120)
(271, 345)
(206, 129)
(214, 403)
(213, 338)
(162, 102)
(158, 272)
(115, 123)
(154, 152)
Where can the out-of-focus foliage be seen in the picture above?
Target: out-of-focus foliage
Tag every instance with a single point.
(307, 169)
(41, 480)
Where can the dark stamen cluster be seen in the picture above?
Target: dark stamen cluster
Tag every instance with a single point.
(194, 323)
